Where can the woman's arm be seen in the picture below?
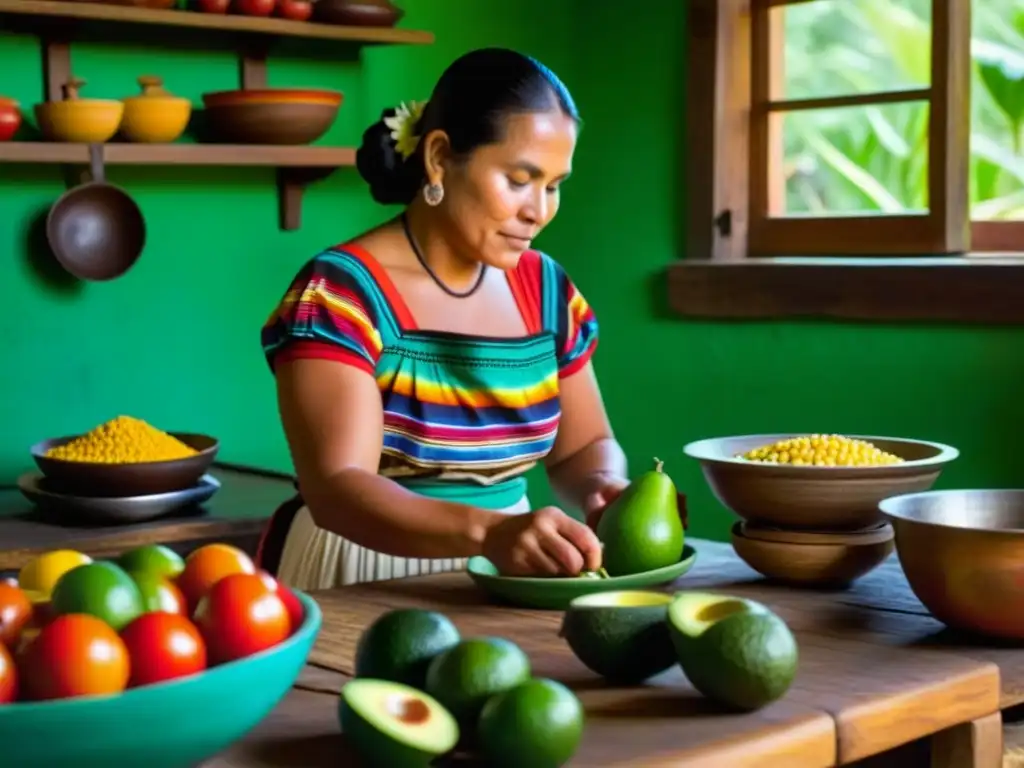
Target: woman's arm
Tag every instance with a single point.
(586, 456)
(333, 421)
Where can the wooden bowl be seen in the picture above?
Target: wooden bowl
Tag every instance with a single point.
(287, 117)
(120, 480)
(357, 13)
(818, 559)
(815, 498)
(154, 116)
(962, 553)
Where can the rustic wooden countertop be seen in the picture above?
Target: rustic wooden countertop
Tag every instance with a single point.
(876, 672)
(236, 513)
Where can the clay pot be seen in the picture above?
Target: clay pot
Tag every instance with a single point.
(85, 121)
(10, 118)
(154, 116)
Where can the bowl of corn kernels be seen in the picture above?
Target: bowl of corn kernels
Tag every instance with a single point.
(125, 457)
(816, 481)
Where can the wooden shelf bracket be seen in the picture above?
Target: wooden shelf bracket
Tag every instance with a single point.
(291, 187)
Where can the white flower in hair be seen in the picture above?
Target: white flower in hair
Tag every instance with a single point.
(403, 127)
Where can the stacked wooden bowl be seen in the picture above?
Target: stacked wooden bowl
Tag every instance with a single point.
(814, 525)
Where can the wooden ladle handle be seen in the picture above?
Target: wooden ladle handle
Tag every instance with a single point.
(71, 88)
(151, 85)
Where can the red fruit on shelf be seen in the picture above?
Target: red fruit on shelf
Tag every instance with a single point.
(10, 118)
(295, 10)
(254, 7)
(213, 6)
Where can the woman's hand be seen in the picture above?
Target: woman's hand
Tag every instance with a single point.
(546, 542)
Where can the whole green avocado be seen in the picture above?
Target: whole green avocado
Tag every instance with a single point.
(641, 530)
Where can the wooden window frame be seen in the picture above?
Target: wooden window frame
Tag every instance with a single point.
(740, 262)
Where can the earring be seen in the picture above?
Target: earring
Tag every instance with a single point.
(433, 194)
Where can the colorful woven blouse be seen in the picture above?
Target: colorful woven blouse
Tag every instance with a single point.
(464, 416)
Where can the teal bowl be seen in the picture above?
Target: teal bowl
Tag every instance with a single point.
(177, 724)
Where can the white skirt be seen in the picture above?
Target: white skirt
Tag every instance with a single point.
(314, 558)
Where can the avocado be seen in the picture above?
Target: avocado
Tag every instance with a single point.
(538, 724)
(392, 725)
(463, 678)
(641, 530)
(622, 636)
(400, 645)
(733, 650)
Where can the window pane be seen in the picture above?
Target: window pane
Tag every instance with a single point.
(997, 111)
(843, 47)
(849, 160)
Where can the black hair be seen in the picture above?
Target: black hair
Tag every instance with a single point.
(469, 103)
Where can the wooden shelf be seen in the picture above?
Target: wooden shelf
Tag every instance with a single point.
(248, 25)
(181, 154)
(58, 22)
(297, 167)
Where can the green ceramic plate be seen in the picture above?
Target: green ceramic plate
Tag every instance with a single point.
(555, 593)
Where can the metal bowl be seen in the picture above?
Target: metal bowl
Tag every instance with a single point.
(139, 479)
(819, 498)
(963, 554)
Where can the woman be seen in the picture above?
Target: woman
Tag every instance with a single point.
(423, 367)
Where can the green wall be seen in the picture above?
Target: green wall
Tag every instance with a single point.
(176, 340)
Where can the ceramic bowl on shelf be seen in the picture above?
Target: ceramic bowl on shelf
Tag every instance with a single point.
(166, 725)
(962, 551)
(121, 480)
(78, 120)
(804, 558)
(154, 116)
(814, 497)
(10, 118)
(283, 116)
(357, 13)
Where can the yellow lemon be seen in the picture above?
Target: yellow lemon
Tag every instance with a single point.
(41, 574)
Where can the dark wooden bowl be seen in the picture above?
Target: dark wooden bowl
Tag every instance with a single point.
(120, 480)
(269, 123)
(357, 13)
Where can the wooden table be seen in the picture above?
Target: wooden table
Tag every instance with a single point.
(876, 672)
(236, 514)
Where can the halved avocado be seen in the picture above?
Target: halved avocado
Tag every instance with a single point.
(733, 650)
(622, 636)
(394, 725)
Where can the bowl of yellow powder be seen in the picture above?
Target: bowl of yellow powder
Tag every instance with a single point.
(125, 457)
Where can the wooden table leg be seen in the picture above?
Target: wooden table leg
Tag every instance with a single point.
(977, 744)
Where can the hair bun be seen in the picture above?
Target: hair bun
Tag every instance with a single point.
(392, 179)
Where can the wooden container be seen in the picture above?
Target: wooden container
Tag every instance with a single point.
(810, 497)
(818, 559)
(78, 120)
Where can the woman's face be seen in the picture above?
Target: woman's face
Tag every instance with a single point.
(504, 194)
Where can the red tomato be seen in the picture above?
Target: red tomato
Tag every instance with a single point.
(8, 677)
(15, 613)
(296, 613)
(213, 6)
(163, 646)
(240, 616)
(208, 565)
(296, 10)
(74, 655)
(254, 7)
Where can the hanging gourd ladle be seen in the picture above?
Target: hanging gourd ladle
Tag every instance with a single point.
(96, 230)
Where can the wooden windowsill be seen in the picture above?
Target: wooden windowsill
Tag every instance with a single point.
(976, 289)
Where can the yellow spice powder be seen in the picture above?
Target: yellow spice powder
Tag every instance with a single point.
(124, 440)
